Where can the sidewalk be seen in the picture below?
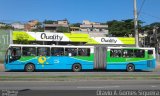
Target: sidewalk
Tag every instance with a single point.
(1, 67)
(158, 65)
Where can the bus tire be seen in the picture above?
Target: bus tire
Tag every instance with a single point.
(29, 67)
(76, 67)
(130, 68)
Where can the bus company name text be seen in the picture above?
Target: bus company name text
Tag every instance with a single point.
(53, 37)
(108, 40)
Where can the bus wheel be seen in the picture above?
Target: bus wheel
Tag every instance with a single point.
(76, 67)
(29, 68)
(130, 68)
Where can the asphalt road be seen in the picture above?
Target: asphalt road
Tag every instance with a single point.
(80, 85)
(78, 88)
(76, 73)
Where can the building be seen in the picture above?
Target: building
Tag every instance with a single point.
(18, 25)
(31, 25)
(74, 28)
(153, 39)
(88, 26)
(142, 39)
(2, 24)
(158, 40)
(54, 27)
(94, 29)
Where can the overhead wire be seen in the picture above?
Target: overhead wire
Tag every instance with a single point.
(141, 7)
(150, 15)
(141, 12)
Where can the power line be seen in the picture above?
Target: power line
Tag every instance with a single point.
(150, 15)
(141, 7)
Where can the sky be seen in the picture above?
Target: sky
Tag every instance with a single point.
(78, 10)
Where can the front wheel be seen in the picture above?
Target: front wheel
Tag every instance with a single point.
(130, 68)
(76, 68)
(29, 68)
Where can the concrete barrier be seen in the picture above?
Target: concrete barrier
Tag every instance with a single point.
(1, 67)
(158, 65)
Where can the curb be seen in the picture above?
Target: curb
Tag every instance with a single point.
(79, 78)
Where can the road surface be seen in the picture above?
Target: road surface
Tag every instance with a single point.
(78, 88)
(80, 85)
(75, 73)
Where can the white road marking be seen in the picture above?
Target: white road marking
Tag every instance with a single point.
(95, 87)
(153, 86)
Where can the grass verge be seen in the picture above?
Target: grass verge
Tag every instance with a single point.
(82, 77)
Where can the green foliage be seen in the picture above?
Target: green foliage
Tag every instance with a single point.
(122, 28)
(49, 21)
(157, 24)
(63, 29)
(75, 25)
(39, 27)
(7, 27)
(151, 26)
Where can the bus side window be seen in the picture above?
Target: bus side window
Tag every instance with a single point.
(57, 51)
(128, 53)
(71, 51)
(150, 52)
(139, 53)
(83, 51)
(29, 51)
(115, 52)
(43, 51)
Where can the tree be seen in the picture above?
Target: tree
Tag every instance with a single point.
(122, 28)
(39, 27)
(63, 29)
(151, 26)
(49, 21)
(7, 27)
(76, 25)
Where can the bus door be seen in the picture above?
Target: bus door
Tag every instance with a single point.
(150, 57)
(100, 57)
(7, 56)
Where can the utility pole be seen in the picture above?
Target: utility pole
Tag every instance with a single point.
(155, 28)
(136, 24)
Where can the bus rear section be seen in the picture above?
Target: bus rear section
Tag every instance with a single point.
(131, 59)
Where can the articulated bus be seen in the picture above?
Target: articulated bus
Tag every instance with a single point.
(76, 58)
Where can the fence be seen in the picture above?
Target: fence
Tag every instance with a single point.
(4, 42)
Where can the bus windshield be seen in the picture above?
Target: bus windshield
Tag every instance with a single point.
(13, 53)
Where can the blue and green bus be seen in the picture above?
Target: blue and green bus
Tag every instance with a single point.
(76, 58)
